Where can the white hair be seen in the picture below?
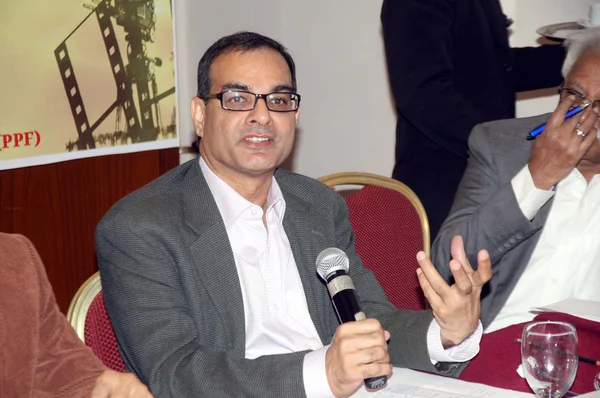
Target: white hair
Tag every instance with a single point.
(587, 40)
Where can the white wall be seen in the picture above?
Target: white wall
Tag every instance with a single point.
(198, 24)
(347, 119)
(528, 16)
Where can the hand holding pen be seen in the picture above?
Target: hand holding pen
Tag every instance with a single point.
(539, 129)
(563, 144)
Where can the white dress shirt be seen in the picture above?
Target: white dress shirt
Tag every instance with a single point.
(276, 313)
(566, 260)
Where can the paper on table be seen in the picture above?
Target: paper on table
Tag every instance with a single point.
(585, 309)
(406, 383)
(595, 394)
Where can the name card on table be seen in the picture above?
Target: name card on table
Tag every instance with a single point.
(585, 309)
(407, 383)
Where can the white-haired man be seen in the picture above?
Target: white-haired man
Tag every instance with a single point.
(534, 204)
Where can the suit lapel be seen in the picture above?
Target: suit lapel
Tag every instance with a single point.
(306, 236)
(213, 257)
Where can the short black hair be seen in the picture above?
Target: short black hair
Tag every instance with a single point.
(240, 41)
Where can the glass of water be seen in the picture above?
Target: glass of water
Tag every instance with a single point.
(550, 357)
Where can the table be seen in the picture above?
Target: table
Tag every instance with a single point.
(492, 373)
(411, 383)
(499, 356)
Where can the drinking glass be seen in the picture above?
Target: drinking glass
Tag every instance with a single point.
(550, 358)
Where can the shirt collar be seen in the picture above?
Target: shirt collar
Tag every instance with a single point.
(232, 205)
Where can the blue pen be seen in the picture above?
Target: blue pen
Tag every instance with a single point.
(538, 130)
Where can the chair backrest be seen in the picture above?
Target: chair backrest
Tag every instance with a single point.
(390, 226)
(90, 320)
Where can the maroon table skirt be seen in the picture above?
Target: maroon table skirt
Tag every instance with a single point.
(499, 356)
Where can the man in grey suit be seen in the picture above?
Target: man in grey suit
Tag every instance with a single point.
(534, 204)
(209, 275)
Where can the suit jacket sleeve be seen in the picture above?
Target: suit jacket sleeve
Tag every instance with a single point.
(485, 212)
(408, 329)
(419, 63)
(538, 67)
(157, 336)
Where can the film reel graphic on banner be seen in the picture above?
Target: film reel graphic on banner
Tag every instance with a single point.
(138, 20)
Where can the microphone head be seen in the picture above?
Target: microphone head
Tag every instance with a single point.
(331, 260)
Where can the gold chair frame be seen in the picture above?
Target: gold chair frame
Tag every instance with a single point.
(81, 302)
(362, 179)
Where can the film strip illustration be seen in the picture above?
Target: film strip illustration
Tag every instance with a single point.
(137, 18)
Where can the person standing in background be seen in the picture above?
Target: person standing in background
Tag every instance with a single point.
(451, 67)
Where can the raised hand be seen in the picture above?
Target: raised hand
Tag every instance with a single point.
(456, 308)
(560, 148)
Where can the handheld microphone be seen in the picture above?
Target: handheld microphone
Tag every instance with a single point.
(332, 267)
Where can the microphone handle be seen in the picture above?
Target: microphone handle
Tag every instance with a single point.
(346, 306)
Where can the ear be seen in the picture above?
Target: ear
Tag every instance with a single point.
(198, 111)
(296, 114)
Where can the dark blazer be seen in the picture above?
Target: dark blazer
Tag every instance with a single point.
(173, 294)
(450, 68)
(486, 212)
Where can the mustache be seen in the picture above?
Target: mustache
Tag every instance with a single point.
(258, 130)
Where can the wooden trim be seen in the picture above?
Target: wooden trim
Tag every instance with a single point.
(362, 179)
(81, 303)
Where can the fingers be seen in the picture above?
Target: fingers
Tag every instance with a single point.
(461, 278)
(377, 354)
(558, 116)
(484, 269)
(101, 391)
(587, 122)
(435, 280)
(364, 327)
(360, 335)
(111, 384)
(588, 126)
(373, 355)
(457, 249)
(358, 351)
(584, 121)
(434, 299)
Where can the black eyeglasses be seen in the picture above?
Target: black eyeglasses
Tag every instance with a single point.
(246, 101)
(580, 99)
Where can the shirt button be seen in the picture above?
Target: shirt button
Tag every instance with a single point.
(275, 307)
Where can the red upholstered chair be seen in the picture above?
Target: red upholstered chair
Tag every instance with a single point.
(88, 317)
(390, 225)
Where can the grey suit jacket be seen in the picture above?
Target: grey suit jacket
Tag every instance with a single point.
(173, 295)
(486, 213)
